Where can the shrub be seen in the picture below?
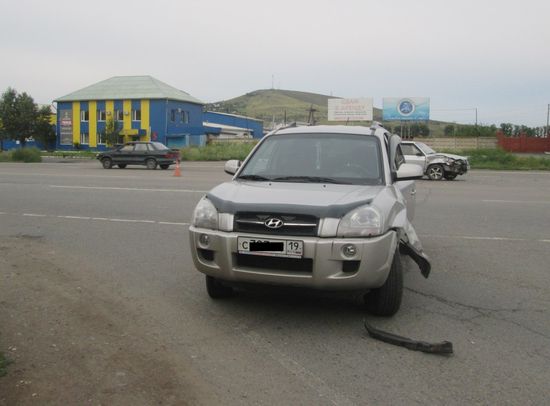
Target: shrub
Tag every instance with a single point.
(217, 151)
(5, 156)
(26, 155)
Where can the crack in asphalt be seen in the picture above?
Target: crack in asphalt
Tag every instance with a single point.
(484, 312)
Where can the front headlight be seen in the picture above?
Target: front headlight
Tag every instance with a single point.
(205, 215)
(364, 221)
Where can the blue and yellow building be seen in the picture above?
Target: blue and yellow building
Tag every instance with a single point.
(142, 108)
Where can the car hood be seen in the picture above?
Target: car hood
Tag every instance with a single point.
(319, 199)
(443, 154)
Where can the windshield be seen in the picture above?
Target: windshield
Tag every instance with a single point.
(317, 158)
(427, 150)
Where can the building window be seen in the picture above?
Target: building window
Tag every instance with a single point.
(101, 115)
(172, 115)
(185, 117)
(101, 137)
(119, 115)
(136, 115)
(84, 115)
(84, 138)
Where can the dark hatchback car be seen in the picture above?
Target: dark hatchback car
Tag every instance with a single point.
(150, 154)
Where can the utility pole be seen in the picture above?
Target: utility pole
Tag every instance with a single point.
(548, 121)
(476, 116)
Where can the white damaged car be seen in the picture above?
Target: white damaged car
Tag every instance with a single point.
(322, 207)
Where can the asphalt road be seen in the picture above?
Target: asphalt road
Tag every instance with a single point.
(121, 235)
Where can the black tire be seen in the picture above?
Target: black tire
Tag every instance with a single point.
(435, 172)
(386, 300)
(451, 176)
(122, 166)
(216, 290)
(151, 163)
(107, 163)
(164, 166)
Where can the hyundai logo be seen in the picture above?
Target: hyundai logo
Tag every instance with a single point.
(274, 222)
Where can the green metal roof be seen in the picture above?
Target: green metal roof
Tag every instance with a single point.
(129, 87)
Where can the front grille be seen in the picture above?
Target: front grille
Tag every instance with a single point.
(294, 224)
(275, 263)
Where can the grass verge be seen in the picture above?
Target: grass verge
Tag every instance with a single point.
(21, 155)
(217, 152)
(499, 159)
(71, 154)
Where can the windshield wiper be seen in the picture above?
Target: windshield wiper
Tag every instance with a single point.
(253, 177)
(311, 179)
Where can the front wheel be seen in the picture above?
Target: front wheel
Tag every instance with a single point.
(216, 290)
(386, 300)
(435, 172)
(107, 163)
(151, 164)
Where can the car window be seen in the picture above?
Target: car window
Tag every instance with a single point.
(410, 149)
(427, 150)
(127, 148)
(341, 158)
(159, 146)
(141, 147)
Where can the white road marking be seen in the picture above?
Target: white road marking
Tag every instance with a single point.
(129, 188)
(116, 220)
(471, 237)
(173, 224)
(518, 201)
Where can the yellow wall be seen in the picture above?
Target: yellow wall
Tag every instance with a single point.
(145, 120)
(127, 119)
(110, 108)
(76, 122)
(92, 124)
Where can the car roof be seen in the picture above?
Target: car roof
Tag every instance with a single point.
(334, 129)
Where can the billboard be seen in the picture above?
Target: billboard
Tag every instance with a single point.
(406, 108)
(66, 127)
(350, 109)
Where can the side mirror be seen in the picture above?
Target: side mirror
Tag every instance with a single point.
(232, 166)
(409, 172)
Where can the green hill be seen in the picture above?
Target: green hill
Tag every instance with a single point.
(273, 105)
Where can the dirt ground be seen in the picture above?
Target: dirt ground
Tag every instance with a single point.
(72, 344)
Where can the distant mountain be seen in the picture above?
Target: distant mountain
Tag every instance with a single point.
(274, 105)
(271, 105)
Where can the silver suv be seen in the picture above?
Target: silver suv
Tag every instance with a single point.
(324, 207)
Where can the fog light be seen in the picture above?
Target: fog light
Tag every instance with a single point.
(349, 250)
(204, 240)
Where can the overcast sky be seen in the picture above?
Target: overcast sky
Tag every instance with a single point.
(485, 54)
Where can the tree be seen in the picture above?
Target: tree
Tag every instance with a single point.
(111, 132)
(18, 114)
(449, 130)
(43, 129)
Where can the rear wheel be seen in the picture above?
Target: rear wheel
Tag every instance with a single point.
(386, 300)
(151, 163)
(217, 290)
(450, 176)
(107, 163)
(436, 172)
(164, 166)
(122, 166)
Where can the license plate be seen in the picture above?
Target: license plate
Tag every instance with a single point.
(271, 248)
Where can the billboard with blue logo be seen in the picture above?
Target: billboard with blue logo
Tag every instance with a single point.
(406, 108)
